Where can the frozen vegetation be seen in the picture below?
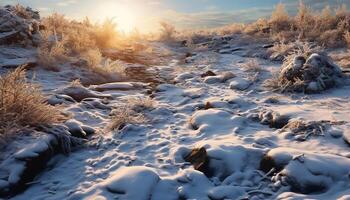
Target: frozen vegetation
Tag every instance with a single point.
(192, 116)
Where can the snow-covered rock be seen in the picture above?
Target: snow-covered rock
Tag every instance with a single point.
(19, 25)
(240, 84)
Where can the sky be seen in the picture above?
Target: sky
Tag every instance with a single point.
(146, 14)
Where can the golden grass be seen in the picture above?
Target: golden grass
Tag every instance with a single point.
(252, 65)
(167, 32)
(131, 113)
(22, 104)
(326, 28)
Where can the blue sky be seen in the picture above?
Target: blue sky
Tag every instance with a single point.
(183, 13)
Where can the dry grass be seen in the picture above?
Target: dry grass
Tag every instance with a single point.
(341, 58)
(123, 116)
(93, 57)
(252, 65)
(139, 104)
(130, 113)
(347, 37)
(22, 104)
(21, 11)
(50, 55)
(326, 28)
(285, 51)
(167, 32)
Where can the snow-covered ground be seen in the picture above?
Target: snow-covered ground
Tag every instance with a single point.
(224, 113)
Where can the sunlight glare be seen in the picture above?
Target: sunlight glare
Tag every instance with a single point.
(127, 17)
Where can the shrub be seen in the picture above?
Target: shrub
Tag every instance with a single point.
(279, 20)
(168, 32)
(93, 57)
(50, 55)
(22, 104)
(106, 35)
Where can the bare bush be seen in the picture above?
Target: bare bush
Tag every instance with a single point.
(51, 54)
(167, 32)
(22, 104)
(139, 104)
(252, 65)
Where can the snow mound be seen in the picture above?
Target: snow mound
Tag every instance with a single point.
(129, 183)
(307, 172)
(216, 122)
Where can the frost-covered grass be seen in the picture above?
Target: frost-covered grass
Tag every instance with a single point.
(131, 113)
(22, 104)
(327, 28)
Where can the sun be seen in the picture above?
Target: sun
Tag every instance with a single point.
(127, 16)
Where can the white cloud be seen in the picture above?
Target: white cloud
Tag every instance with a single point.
(66, 3)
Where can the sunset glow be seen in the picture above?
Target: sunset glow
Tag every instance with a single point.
(127, 16)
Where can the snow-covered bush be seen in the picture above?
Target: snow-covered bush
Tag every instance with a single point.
(306, 74)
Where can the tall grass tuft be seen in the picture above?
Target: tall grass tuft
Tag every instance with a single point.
(23, 105)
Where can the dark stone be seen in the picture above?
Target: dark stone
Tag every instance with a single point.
(208, 106)
(200, 160)
(208, 73)
(279, 121)
(267, 46)
(267, 163)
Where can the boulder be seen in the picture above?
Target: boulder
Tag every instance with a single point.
(19, 25)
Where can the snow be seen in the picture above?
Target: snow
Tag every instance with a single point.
(219, 113)
(132, 183)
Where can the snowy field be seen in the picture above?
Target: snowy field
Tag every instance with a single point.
(227, 114)
(201, 124)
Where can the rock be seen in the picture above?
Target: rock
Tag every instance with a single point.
(305, 172)
(19, 27)
(199, 159)
(240, 84)
(95, 103)
(184, 76)
(227, 76)
(79, 92)
(75, 128)
(335, 132)
(212, 79)
(118, 86)
(21, 167)
(273, 119)
(17, 62)
(267, 46)
(59, 99)
(208, 73)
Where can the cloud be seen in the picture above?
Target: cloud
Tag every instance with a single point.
(66, 3)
